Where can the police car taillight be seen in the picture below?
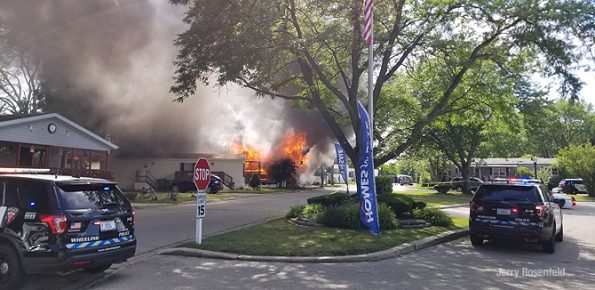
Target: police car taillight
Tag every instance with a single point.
(541, 210)
(573, 201)
(57, 223)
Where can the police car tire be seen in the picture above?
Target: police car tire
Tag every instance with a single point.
(97, 269)
(549, 246)
(17, 277)
(560, 235)
(475, 240)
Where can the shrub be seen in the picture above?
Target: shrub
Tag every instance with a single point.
(384, 185)
(254, 181)
(346, 216)
(296, 212)
(330, 199)
(418, 205)
(433, 216)
(313, 211)
(400, 208)
(407, 199)
(388, 220)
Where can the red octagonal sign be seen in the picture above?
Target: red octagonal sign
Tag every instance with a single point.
(202, 174)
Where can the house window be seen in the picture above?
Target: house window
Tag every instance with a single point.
(499, 172)
(554, 171)
(32, 156)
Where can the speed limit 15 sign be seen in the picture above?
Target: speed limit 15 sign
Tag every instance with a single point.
(201, 204)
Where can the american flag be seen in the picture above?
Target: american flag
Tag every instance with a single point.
(368, 21)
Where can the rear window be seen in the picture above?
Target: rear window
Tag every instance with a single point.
(574, 182)
(90, 196)
(508, 193)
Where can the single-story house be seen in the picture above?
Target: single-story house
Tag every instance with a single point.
(151, 170)
(490, 168)
(51, 141)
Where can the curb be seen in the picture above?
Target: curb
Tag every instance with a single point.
(450, 206)
(377, 256)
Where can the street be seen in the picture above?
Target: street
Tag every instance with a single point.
(456, 263)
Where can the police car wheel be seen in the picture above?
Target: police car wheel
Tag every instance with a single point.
(12, 275)
(97, 269)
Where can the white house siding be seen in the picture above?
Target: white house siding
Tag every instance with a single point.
(36, 132)
(124, 168)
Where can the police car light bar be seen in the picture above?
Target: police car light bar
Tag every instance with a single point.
(4, 170)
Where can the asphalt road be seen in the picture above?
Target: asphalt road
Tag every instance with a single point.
(161, 226)
(496, 265)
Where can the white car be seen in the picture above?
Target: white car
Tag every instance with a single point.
(569, 201)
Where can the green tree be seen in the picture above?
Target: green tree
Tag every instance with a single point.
(524, 171)
(311, 52)
(579, 161)
(553, 125)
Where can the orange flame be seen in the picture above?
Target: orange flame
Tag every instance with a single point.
(293, 146)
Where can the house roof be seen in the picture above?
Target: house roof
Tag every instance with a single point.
(511, 162)
(180, 155)
(10, 120)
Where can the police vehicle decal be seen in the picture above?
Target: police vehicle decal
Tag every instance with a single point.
(87, 245)
(511, 223)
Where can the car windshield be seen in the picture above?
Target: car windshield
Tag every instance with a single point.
(575, 182)
(90, 196)
(508, 193)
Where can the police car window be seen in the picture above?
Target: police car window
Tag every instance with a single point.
(9, 198)
(508, 193)
(33, 196)
(90, 196)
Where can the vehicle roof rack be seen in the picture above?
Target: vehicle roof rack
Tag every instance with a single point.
(6, 170)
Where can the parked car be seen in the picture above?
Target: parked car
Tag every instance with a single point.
(572, 185)
(53, 223)
(404, 179)
(569, 201)
(457, 183)
(515, 211)
(215, 185)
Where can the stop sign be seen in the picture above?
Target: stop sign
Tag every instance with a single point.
(202, 174)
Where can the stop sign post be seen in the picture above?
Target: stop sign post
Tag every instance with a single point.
(201, 178)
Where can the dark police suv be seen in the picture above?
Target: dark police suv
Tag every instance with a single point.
(515, 211)
(58, 223)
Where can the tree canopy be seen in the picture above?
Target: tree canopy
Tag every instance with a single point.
(426, 54)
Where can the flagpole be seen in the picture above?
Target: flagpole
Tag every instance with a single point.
(371, 98)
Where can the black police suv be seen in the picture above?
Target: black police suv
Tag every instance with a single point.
(515, 211)
(58, 223)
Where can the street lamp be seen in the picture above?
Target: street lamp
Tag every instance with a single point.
(534, 159)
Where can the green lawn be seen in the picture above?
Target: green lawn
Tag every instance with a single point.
(433, 198)
(164, 197)
(584, 197)
(279, 237)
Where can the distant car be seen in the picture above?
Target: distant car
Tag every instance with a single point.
(404, 179)
(215, 185)
(515, 211)
(572, 185)
(474, 183)
(569, 201)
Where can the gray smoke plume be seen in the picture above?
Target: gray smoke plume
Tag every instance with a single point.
(107, 64)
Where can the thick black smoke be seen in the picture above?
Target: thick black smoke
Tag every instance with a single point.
(107, 65)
